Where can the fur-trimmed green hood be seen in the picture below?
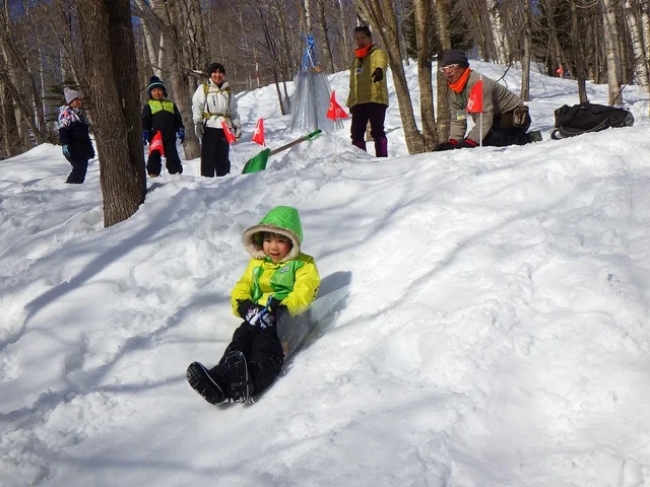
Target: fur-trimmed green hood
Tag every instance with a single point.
(283, 220)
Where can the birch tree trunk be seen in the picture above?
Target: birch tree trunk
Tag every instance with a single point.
(343, 26)
(525, 61)
(152, 50)
(422, 14)
(109, 52)
(179, 83)
(15, 77)
(382, 17)
(324, 28)
(484, 39)
(11, 141)
(443, 21)
(640, 59)
(611, 52)
(645, 20)
(497, 32)
(580, 68)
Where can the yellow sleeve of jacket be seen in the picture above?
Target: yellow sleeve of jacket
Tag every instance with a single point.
(304, 288)
(242, 289)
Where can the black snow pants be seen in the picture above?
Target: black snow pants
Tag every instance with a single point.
(263, 352)
(78, 173)
(154, 162)
(215, 152)
(504, 133)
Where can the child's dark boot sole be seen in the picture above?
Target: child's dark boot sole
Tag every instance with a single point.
(200, 380)
(237, 372)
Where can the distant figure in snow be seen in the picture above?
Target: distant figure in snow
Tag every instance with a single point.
(505, 117)
(368, 98)
(162, 115)
(279, 279)
(73, 133)
(213, 103)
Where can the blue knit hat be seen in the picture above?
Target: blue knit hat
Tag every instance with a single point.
(154, 82)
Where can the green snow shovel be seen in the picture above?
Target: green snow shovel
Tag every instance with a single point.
(258, 163)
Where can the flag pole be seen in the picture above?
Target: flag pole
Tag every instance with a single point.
(336, 151)
(480, 117)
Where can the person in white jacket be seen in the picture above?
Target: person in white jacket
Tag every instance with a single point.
(213, 103)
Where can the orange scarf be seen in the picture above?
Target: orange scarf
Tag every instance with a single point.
(362, 52)
(459, 85)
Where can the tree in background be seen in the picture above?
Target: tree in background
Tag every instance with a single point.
(260, 43)
(109, 54)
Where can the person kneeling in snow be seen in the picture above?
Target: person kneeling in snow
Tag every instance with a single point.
(162, 115)
(279, 279)
(505, 117)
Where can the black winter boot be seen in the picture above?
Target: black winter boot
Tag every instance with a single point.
(236, 371)
(206, 385)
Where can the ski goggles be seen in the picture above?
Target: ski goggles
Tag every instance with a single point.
(449, 67)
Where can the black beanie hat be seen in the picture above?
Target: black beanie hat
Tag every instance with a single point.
(454, 56)
(154, 82)
(216, 67)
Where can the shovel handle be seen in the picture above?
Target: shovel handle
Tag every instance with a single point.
(310, 136)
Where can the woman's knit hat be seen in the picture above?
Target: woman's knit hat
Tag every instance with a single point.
(71, 94)
(155, 82)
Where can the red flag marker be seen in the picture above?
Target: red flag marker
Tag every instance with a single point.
(258, 136)
(157, 144)
(475, 101)
(335, 112)
(230, 137)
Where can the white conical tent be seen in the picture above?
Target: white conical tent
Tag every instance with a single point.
(312, 96)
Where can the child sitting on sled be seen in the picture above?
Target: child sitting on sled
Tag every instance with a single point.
(279, 278)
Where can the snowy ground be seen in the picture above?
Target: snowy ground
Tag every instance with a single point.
(496, 333)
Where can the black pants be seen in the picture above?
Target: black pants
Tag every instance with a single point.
(173, 163)
(361, 114)
(215, 151)
(78, 173)
(504, 133)
(263, 352)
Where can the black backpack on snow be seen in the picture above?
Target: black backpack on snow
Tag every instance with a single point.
(587, 117)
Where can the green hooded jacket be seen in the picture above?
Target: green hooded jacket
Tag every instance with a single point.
(294, 280)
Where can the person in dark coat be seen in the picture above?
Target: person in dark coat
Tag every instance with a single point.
(73, 133)
(162, 115)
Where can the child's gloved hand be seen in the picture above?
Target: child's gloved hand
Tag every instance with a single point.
(181, 135)
(248, 310)
(265, 319)
(66, 151)
(145, 137)
(377, 75)
(274, 306)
